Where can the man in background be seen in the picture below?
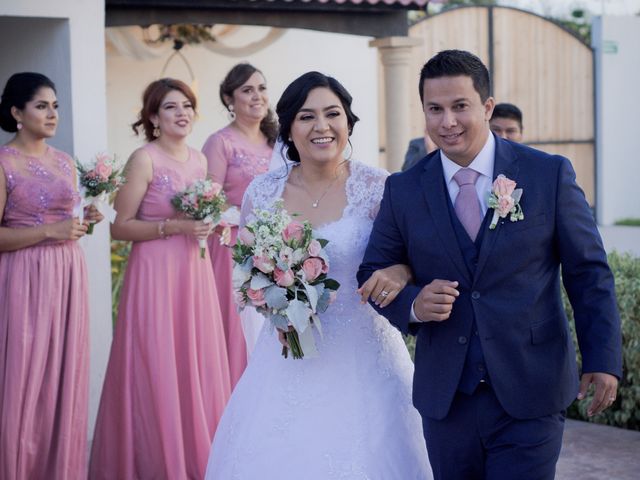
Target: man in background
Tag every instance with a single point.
(506, 122)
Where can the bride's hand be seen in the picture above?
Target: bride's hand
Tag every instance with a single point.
(385, 284)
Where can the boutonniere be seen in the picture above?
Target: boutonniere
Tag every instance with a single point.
(504, 198)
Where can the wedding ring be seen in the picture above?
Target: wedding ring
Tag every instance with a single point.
(384, 293)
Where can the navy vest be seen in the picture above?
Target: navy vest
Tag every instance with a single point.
(474, 370)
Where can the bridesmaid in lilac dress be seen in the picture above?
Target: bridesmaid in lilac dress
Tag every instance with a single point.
(44, 317)
(167, 380)
(235, 156)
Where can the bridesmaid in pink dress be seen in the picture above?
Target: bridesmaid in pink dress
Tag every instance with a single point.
(44, 317)
(235, 155)
(167, 380)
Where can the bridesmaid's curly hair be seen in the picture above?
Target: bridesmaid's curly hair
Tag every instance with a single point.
(236, 77)
(152, 99)
(20, 89)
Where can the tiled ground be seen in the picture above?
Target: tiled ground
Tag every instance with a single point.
(598, 452)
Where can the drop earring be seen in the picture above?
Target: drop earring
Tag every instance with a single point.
(231, 115)
(19, 125)
(156, 131)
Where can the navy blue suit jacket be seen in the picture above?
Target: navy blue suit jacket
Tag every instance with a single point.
(515, 290)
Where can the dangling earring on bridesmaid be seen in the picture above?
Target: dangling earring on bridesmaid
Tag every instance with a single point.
(19, 125)
(231, 115)
(156, 131)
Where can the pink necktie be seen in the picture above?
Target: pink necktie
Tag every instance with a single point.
(467, 205)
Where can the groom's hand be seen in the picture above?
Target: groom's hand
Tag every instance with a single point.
(605, 393)
(435, 301)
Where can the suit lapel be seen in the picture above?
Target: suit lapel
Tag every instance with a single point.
(433, 188)
(505, 163)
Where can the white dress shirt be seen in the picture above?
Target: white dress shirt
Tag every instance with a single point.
(483, 164)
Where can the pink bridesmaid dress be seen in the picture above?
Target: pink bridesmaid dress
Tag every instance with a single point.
(232, 162)
(44, 332)
(167, 380)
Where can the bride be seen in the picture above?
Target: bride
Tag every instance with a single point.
(346, 413)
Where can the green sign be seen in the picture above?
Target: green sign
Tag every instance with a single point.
(609, 46)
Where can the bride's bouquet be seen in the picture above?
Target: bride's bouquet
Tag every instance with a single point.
(281, 270)
(202, 200)
(97, 181)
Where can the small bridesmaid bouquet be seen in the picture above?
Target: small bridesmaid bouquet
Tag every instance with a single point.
(203, 200)
(97, 182)
(281, 270)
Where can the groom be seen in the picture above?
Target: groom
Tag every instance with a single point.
(495, 364)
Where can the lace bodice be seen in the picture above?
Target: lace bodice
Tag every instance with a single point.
(364, 186)
(347, 236)
(234, 162)
(39, 190)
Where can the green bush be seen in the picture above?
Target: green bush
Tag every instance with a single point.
(119, 256)
(625, 412)
(629, 222)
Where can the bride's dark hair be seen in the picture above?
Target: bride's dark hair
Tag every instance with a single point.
(293, 99)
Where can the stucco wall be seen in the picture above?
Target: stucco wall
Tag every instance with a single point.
(346, 57)
(616, 41)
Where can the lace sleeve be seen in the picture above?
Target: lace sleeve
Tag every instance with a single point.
(246, 209)
(365, 189)
(262, 192)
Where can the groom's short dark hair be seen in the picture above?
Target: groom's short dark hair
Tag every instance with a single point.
(453, 63)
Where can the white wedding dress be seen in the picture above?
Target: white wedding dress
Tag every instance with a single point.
(345, 414)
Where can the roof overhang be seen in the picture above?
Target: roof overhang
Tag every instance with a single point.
(375, 18)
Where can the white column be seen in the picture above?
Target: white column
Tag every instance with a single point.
(395, 54)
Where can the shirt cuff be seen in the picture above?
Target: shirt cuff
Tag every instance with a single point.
(414, 318)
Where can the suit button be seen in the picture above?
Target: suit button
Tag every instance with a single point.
(475, 295)
(462, 340)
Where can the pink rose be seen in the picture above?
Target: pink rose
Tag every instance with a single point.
(293, 231)
(325, 266)
(103, 170)
(216, 188)
(502, 186)
(246, 237)
(256, 297)
(208, 195)
(312, 268)
(264, 264)
(283, 278)
(314, 248)
(505, 204)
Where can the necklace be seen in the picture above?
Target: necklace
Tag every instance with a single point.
(315, 203)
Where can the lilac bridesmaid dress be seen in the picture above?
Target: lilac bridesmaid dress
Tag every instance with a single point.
(44, 336)
(167, 380)
(233, 163)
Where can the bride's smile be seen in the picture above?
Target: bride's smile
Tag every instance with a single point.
(320, 129)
